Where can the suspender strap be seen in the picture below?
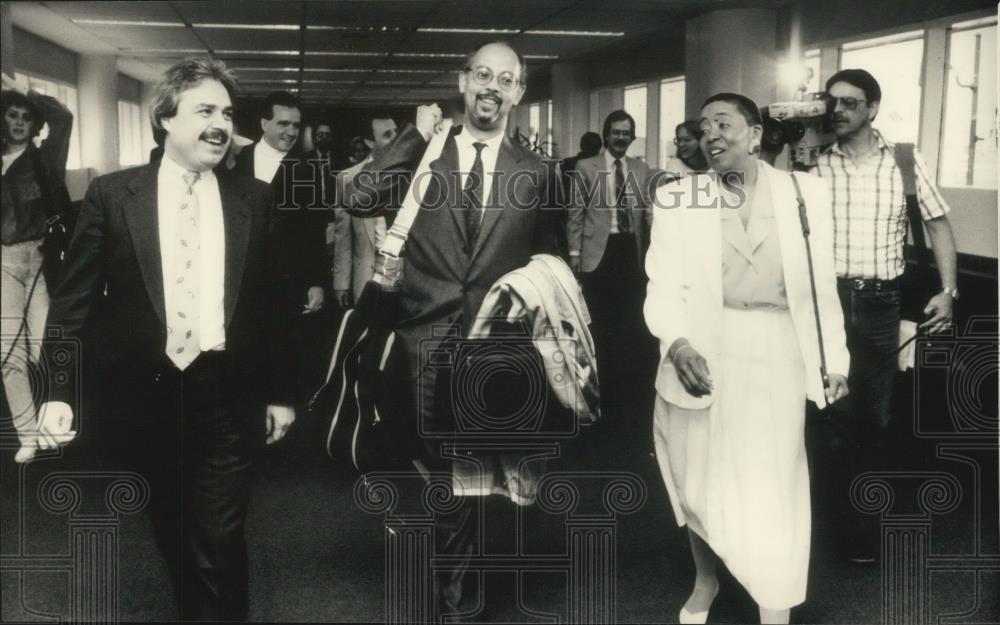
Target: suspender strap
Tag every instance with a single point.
(903, 154)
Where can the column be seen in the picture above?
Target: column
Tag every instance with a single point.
(732, 50)
(98, 93)
(570, 106)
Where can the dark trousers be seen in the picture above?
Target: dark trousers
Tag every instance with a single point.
(198, 463)
(626, 362)
(859, 441)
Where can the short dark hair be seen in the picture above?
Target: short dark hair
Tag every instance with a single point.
(693, 126)
(747, 108)
(614, 117)
(182, 76)
(860, 79)
(278, 98)
(322, 122)
(591, 142)
(522, 77)
(18, 99)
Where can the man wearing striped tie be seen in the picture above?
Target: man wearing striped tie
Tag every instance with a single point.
(169, 289)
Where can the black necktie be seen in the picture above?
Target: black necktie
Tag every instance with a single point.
(623, 217)
(474, 194)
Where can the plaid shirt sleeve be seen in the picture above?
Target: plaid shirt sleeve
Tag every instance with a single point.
(932, 204)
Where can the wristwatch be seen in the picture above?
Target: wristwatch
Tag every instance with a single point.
(952, 292)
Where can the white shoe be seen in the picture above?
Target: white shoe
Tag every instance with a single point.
(25, 454)
(696, 618)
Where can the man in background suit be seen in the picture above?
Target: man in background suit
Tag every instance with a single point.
(169, 286)
(300, 226)
(360, 238)
(608, 233)
(493, 215)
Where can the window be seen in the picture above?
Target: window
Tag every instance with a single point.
(66, 94)
(534, 123)
(635, 105)
(969, 137)
(811, 61)
(550, 146)
(671, 114)
(129, 134)
(895, 62)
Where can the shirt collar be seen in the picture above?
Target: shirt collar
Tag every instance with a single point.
(170, 167)
(879, 141)
(465, 140)
(610, 161)
(269, 151)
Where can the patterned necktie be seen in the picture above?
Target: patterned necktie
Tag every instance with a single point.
(182, 301)
(620, 203)
(474, 194)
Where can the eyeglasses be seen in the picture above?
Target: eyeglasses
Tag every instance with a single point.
(323, 134)
(848, 104)
(484, 75)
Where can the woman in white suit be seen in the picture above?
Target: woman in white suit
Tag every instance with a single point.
(730, 301)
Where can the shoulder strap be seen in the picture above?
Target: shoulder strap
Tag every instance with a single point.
(400, 230)
(804, 220)
(903, 154)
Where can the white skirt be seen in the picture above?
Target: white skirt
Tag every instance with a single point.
(736, 471)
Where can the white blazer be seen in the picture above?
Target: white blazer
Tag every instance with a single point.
(684, 265)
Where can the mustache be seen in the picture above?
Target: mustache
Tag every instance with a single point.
(491, 93)
(215, 134)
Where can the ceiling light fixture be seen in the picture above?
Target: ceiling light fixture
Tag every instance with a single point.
(342, 53)
(575, 33)
(275, 52)
(249, 26)
(471, 31)
(95, 22)
(430, 55)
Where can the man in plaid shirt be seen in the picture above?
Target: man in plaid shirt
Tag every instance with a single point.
(870, 225)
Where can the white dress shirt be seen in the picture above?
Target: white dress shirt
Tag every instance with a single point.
(467, 156)
(266, 161)
(612, 189)
(171, 191)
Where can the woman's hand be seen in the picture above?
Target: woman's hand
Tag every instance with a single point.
(692, 370)
(837, 389)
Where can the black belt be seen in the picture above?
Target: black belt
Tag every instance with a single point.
(870, 284)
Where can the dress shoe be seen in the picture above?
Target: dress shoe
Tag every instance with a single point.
(698, 618)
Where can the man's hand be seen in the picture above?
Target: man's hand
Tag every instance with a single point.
(343, 298)
(10, 84)
(576, 263)
(279, 419)
(692, 369)
(837, 389)
(939, 311)
(315, 299)
(427, 119)
(55, 418)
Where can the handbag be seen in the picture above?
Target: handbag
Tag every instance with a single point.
(361, 398)
(919, 281)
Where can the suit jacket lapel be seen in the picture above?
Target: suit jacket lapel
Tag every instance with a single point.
(493, 210)
(236, 220)
(446, 171)
(144, 227)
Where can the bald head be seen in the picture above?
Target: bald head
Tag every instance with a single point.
(492, 83)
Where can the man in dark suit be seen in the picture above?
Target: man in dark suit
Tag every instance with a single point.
(300, 221)
(169, 286)
(489, 219)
